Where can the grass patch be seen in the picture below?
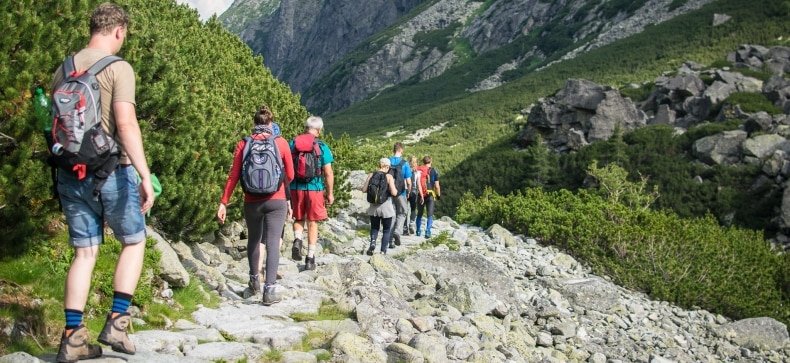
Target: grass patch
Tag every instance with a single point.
(32, 289)
(442, 238)
(327, 311)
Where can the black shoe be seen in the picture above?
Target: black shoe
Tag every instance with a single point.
(296, 250)
(309, 263)
(370, 250)
(396, 237)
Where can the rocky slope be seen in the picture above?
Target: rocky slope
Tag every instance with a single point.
(342, 52)
(583, 112)
(481, 296)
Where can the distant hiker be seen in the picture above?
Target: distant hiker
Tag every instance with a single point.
(429, 193)
(380, 188)
(313, 175)
(121, 202)
(401, 171)
(264, 213)
(413, 197)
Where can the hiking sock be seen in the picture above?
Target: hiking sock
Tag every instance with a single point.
(419, 225)
(310, 251)
(298, 235)
(428, 225)
(120, 302)
(73, 319)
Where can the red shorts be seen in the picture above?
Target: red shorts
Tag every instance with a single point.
(310, 203)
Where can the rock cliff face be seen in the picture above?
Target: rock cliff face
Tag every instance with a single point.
(340, 52)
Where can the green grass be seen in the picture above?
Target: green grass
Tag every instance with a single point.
(443, 238)
(32, 288)
(327, 311)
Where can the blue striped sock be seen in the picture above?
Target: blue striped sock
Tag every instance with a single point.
(73, 318)
(121, 302)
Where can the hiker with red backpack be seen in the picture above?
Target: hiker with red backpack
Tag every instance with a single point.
(263, 164)
(429, 193)
(312, 188)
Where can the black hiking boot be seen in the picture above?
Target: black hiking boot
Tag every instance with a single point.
(296, 250)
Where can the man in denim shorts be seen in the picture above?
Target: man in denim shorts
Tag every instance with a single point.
(122, 202)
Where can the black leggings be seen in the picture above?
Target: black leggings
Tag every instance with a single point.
(386, 223)
(267, 217)
(413, 201)
(429, 203)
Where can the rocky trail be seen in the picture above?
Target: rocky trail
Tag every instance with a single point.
(482, 296)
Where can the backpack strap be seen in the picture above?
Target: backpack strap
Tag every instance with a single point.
(102, 63)
(68, 67)
(247, 147)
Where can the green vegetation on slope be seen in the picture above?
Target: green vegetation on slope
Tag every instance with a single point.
(481, 126)
(729, 270)
(198, 88)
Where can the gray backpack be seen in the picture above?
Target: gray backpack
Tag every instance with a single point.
(261, 166)
(80, 144)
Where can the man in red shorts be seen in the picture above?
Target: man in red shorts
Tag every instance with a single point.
(307, 196)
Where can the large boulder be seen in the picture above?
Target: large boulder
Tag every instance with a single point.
(763, 146)
(613, 111)
(722, 148)
(756, 333)
(170, 267)
(581, 93)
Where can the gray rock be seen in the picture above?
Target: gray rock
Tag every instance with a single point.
(756, 333)
(722, 148)
(19, 357)
(763, 146)
(348, 347)
(171, 269)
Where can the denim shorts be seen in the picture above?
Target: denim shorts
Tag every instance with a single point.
(119, 200)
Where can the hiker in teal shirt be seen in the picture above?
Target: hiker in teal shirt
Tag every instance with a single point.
(310, 197)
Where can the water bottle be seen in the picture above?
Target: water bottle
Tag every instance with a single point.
(43, 111)
(57, 149)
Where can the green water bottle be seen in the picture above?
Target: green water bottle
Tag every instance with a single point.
(43, 111)
(44, 115)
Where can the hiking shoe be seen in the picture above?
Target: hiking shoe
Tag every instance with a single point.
(370, 250)
(296, 250)
(427, 235)
(411, 228)
(253, 287)
(114, 333)
(418, 233)
(270, 295)
(76, 346)
(309, 263)
(396, 237)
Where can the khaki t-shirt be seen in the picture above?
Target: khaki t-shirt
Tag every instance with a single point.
(117, 85)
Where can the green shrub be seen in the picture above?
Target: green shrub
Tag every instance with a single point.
(752, 102)
(638, 94)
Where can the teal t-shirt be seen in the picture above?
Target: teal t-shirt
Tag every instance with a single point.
(317, 184)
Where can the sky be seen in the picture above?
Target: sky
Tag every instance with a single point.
(206, 8)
